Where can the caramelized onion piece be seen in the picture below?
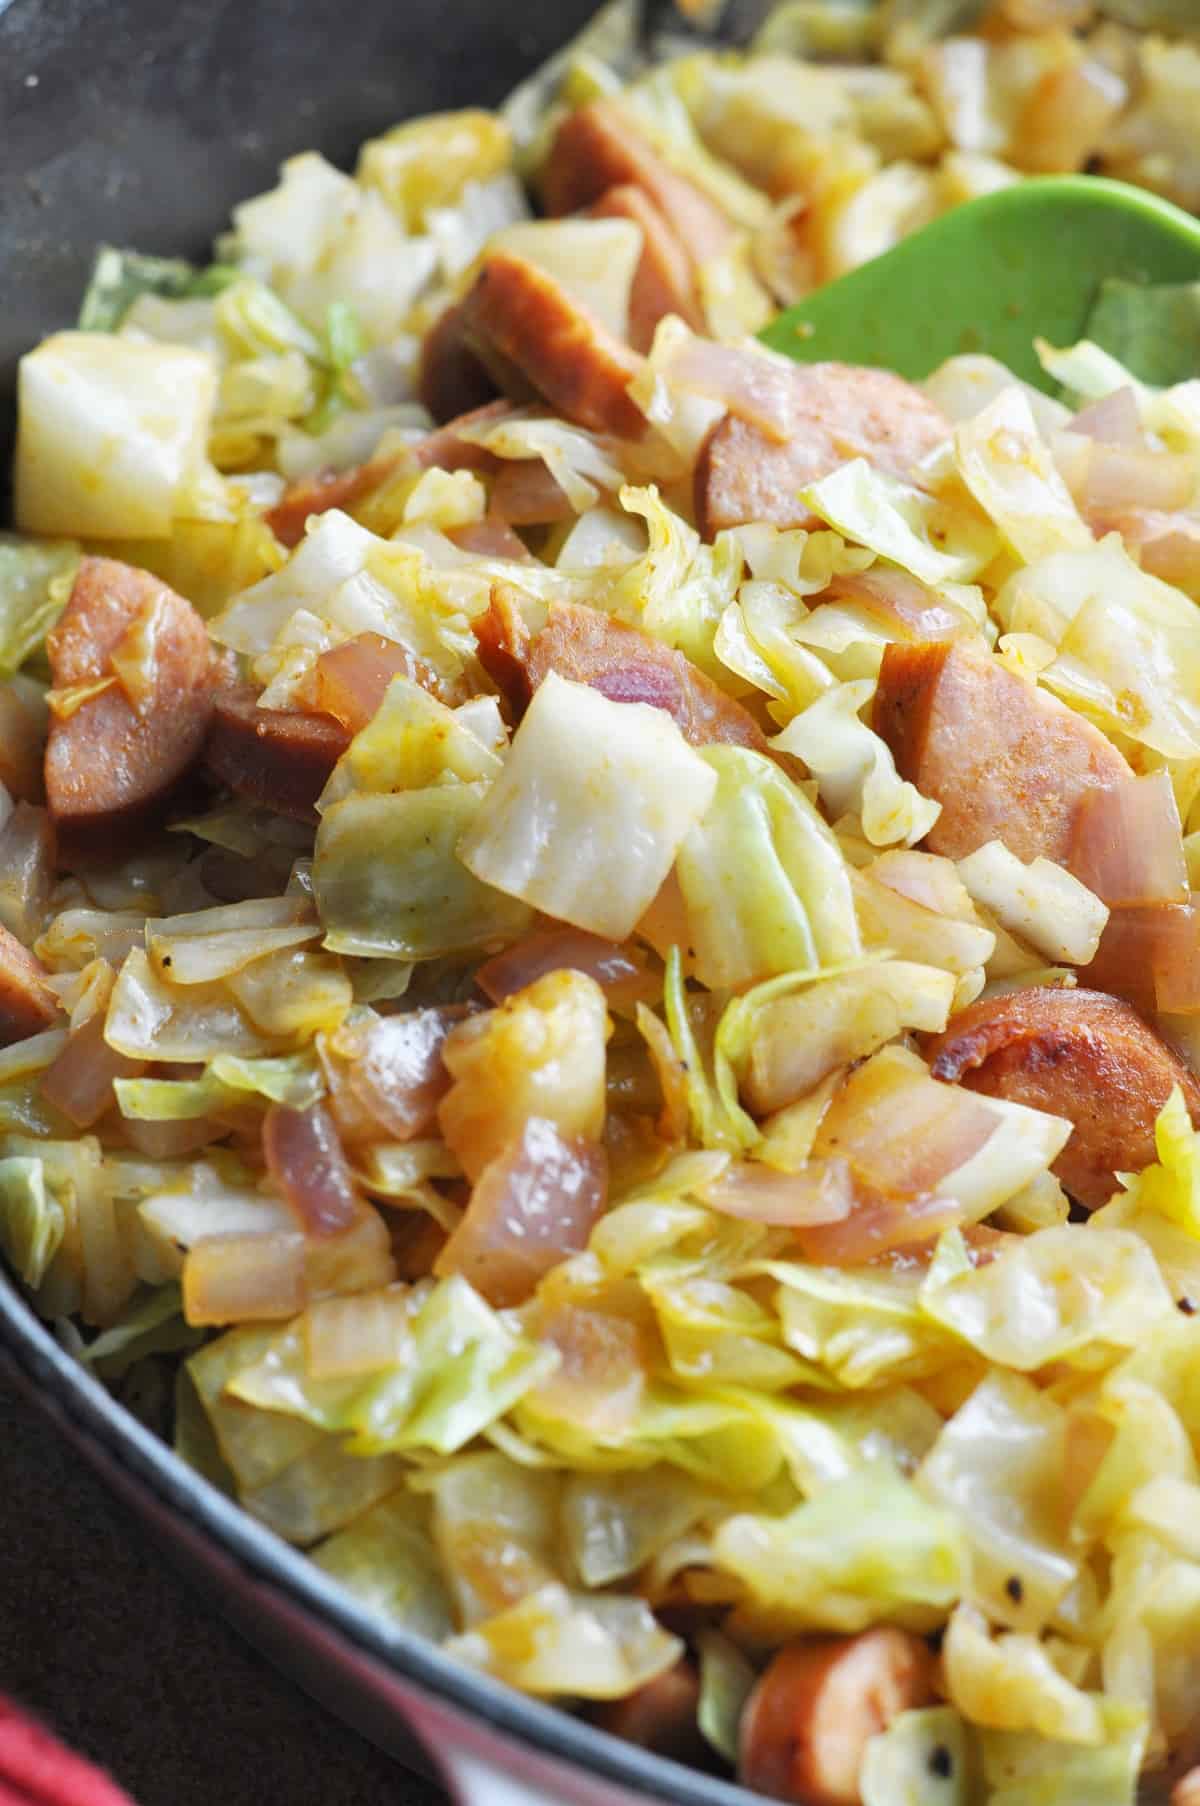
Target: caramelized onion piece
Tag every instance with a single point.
(877, 1224)
(79, 1083)
(532, 1206)
(822, 1192)
(620, 971)
(601, 1375)
(350, 680)
(388, 1076)
(1127, 844)
(245, 1278)
(901, 1134)
(305, 1159)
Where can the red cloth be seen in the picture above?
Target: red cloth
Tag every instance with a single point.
(36, 1770)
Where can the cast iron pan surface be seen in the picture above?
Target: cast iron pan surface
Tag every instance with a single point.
(140, 123)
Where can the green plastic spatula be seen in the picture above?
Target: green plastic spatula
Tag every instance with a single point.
(992, 274)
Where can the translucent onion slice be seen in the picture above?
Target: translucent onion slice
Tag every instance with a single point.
(901, 1131)
(620, 971)
(245, 1278)
(1127, 845)
(601, 1376)
(822, 1192)
(754, 386)
(877, 1225)
(351, 680)
(79, 1081)
(1113, 420)
(532, 1207)
(305, 1159)
(1119, 476)
(361, 1333)
(386, 1077)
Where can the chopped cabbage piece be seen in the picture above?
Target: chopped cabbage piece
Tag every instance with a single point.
(763, 881)
(864, 1548)
(1010, 1683)
(120, 278)
(998, 1465)
(386, 1560)
(854, 768)
(32, 1223)
(594, 802)
(150, 1019)
(594, 1646)
(726, 1681)
(1040, 902)
(1007, 466)
(903, 525)
(1054, 1296)
(112, 435)
(1170, 1186)
(35, 581)
(1025, 1769)
(922, 1759)
(390, 882)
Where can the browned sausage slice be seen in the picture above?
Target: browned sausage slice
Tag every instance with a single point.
(809, 1719)
(1078, 1054)
(839, 412)
(526, 494)
(660, 1716)
(314, 495)
(278, 758)
(111, 765)
(627, 665)
(342, 489)
(518, 313)
(27, 1004)
(590, 647)
(1005, 760)
(599, 147)
(451, 379)
(663, 281)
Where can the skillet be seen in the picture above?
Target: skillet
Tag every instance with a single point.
(142, 124)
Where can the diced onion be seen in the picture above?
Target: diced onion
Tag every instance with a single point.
(754, 386)
(386, 1077)
(360, 1333)
(821, 1192)
(619, 971)
(305, 1159)
(1127, 845)
(1113, 420)
(79, 1082)
(877, 1225)
(532, 1206)
(244, 1278)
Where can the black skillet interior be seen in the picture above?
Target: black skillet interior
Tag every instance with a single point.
(142, 122)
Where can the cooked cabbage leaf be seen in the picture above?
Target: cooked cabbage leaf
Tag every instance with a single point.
(762, 878)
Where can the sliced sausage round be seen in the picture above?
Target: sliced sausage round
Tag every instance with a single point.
(27, 1004)
(1006, 760)
(1077, 1054)
(112, 764)
(809, 1719)
(660, 1716)
(664, 280)
(451, 379)
(527, 320)
(838, 412)
(599, 147)
(278, 758)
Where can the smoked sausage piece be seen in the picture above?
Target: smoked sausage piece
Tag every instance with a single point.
(278, 758)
